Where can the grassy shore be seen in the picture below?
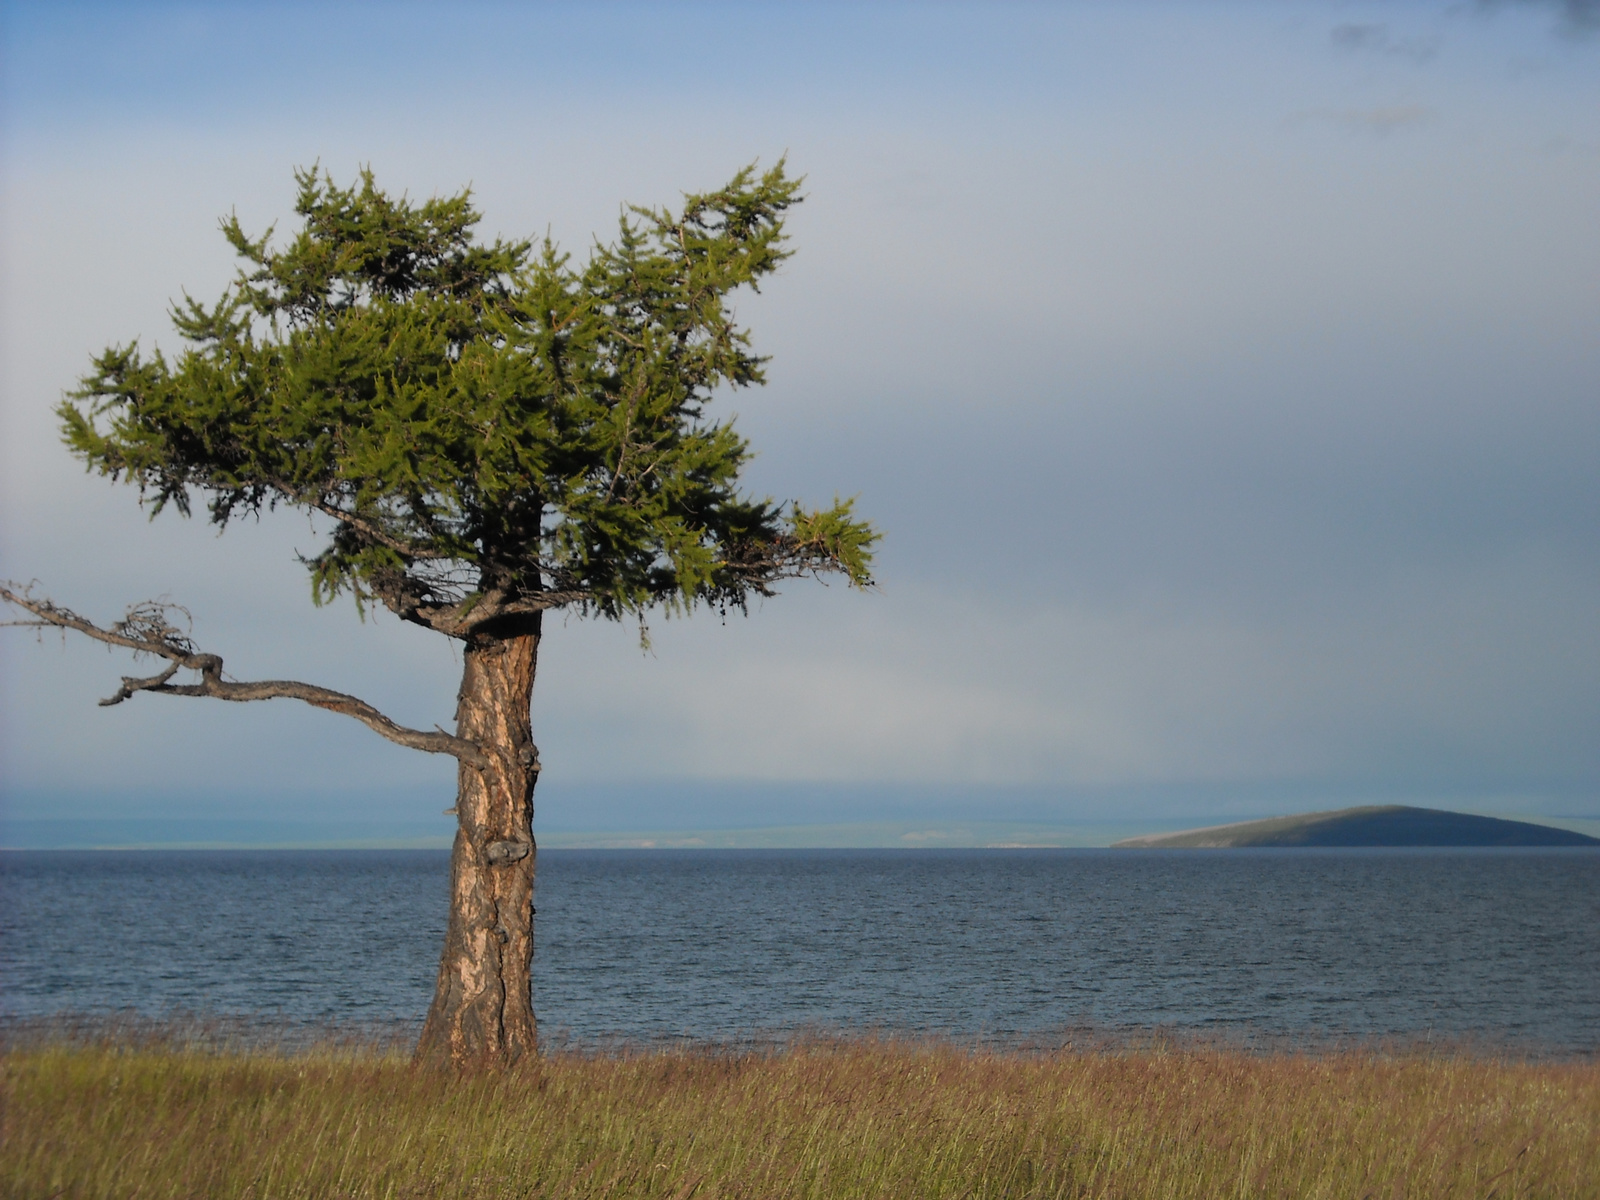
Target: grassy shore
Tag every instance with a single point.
(831, 1119)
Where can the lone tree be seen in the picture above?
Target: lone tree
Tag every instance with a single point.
(491, 432)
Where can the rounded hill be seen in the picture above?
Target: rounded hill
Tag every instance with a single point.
(1374, 825)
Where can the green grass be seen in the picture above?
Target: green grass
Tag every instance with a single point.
(833, 1119)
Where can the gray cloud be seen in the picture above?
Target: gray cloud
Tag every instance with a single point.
(1211, 460)
(1384, 118)
(1380, 120)
(1574, 18)
(1378, 39)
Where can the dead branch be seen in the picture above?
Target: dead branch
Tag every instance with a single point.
(148, 629)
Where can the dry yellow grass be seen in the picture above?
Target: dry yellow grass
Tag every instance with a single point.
(832, 1119)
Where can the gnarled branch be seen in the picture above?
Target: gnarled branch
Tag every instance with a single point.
(461, 616)
(147, 629)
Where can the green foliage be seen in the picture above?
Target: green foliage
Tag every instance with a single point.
(493, 430)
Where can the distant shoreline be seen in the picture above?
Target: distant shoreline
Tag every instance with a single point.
(170, 834)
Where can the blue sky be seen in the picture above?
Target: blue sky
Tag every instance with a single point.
(1222, 375)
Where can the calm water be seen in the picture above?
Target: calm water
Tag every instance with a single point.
(722, 944)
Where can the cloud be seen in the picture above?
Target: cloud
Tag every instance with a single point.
(1377, 39)
(1574, 18)
(1385, 118)
(1380, 120)
(1203, 453)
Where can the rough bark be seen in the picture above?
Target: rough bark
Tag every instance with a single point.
(482, 1012)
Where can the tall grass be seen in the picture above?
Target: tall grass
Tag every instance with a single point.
(866, 1118)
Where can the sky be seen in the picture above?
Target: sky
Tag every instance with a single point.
(1222, 376)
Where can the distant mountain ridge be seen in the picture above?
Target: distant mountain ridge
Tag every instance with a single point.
(1372, 825)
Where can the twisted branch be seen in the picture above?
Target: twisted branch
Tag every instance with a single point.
(148, 629)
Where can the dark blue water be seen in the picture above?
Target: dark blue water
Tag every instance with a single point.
(1484, 944)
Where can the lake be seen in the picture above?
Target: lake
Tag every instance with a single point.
(1009, 945)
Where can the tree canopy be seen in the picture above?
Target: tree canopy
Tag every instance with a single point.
(493, 430)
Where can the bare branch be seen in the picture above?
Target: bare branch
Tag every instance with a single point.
(146, 630)
(130, 685)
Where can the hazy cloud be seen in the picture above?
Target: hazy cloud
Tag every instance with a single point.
(1575, 18)
(1383, 119)
(1209, 459)
(1378, 121)
(1377, 39)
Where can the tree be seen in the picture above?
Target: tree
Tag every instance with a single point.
(490, 432)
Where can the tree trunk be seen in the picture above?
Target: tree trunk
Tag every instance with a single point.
(482, 1011)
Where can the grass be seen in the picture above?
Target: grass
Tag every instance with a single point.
(848, 1118)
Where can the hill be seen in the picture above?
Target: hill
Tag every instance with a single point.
(1377, 825)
